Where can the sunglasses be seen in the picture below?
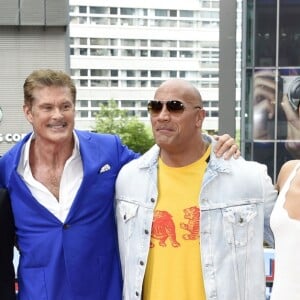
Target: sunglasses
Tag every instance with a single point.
(173, 106)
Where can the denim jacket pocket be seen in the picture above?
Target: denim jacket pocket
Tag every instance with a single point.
(127, 212)
(239, 223)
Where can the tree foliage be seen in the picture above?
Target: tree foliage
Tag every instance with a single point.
(133, 132)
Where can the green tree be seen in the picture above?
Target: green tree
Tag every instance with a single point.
(133, 132)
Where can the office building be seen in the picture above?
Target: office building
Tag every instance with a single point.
(123, 50)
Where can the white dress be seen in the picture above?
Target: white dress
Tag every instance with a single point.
(286, 231)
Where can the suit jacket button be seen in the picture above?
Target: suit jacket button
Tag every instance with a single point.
(66, 226)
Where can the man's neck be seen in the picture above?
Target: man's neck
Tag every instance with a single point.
(50, 154)
(183, 157)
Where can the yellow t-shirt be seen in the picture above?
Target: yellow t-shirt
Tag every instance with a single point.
(174, 268)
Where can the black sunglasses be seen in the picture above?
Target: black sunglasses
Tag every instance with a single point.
(173, 106)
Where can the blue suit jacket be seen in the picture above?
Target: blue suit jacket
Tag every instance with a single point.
(78, 259)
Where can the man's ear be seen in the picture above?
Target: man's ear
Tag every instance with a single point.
(27, 113)
(200, 117)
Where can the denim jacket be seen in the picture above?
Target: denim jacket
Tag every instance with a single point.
(236, 200)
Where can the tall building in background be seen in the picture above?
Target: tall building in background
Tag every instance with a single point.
(271, 71)
(117, 49)
(33, 34)
(123, 50)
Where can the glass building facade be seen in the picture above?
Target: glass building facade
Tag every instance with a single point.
(271, 77)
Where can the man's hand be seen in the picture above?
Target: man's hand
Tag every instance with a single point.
(226, 147)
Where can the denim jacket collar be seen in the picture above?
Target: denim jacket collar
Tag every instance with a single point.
(218, 165)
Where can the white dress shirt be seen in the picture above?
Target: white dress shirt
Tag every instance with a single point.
(70, 181)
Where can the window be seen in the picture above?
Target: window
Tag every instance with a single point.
(128, 42)
(83, 51)
(186, 24)
(98, 41)
(161, 13)
(83, 72)
(82, 20)
(83, 41)
(113, 42)
(113, 21)
(95, 103)
(186, 54)
(144, 73)
(127, 11)
(144, 113)
(173, 74)
(130, 113)
(83, 103)
(127, 22)
(98, 10)
(187, 13)
(156, 53)
(128, 52)
(113, 52)
(114, 73)
(83, 82)
(99, 21)
(72, 8)
(82, 113)
(173, 13)
(113, 10)
(128, 103)
(156, 83)
(99, 83)
(94, 113)
(156, 43)
(186, 44)
(99, 72)
(130, 83)
(144, 53)
(130, 73)
(182, 74)
(82, 9)
(99, 52)
(155, 73)
(144, 83)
